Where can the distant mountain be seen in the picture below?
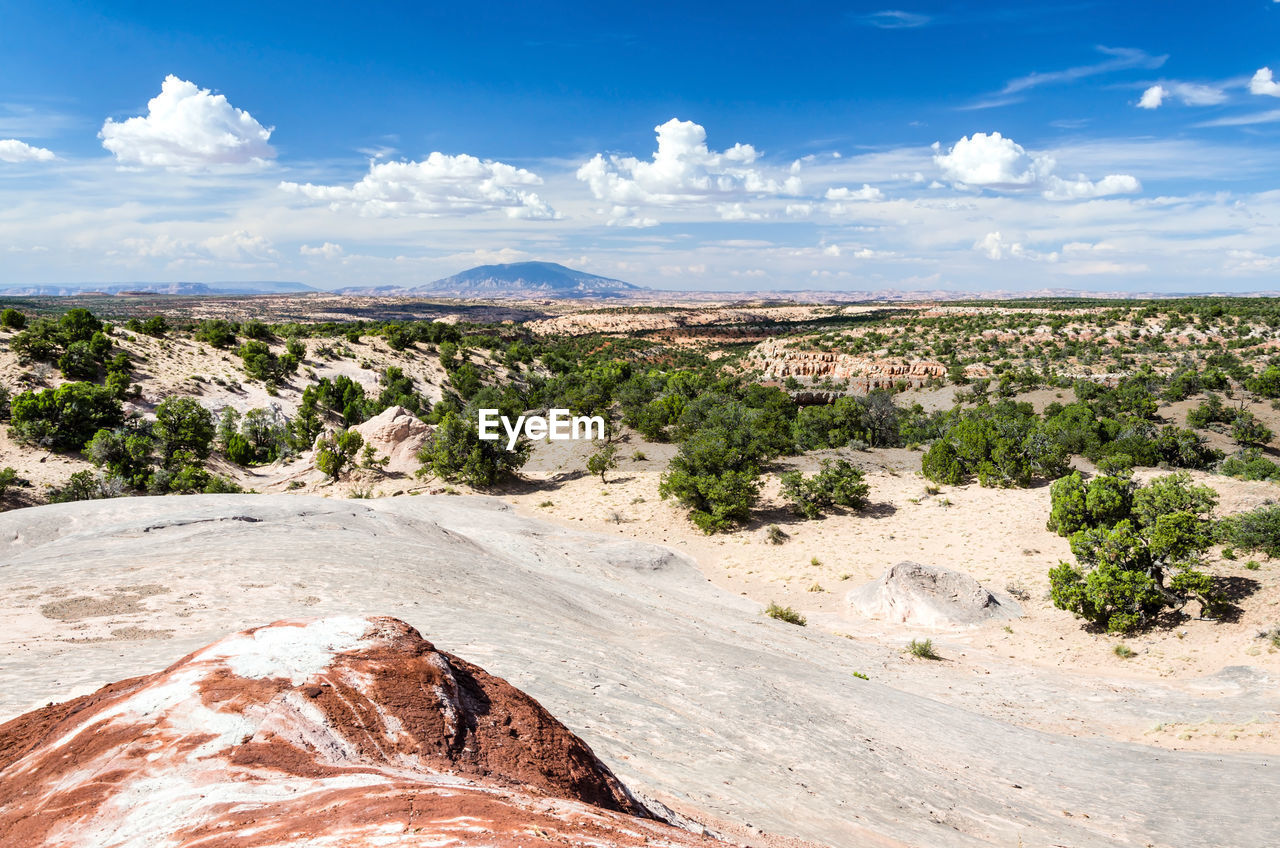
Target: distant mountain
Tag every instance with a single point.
(232, 288)
(526, 279)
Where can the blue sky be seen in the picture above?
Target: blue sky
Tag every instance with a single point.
(866, 147)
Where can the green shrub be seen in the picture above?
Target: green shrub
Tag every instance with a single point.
(8, 477)
(1257, 530)
(1002, 445)
(267, 435)
(1266, 384)
(260, 363)
(1075, 505)
(941, 464)
(64, 418)
(255, 329)
(182, 424)
(1247, 430)
(786, 614)
(458, 454)
(12, 319)
(713, 478)
(337, 452)
(87, 486)
(216, 332)
(156, 326)
(239, 450)
(1210, 411)
(126, 454)
(923, 649)
(78, 362)
(836, 484)
(602, 461)
(1127, 541)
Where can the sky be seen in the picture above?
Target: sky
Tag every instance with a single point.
(1020, 147)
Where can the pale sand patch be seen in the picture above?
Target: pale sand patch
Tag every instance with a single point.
(997, 536)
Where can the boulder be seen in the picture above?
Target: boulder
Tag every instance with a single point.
(398, 434)
(337, 731)
(927, 595)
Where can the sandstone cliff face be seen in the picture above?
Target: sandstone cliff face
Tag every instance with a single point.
(862, 374)
(341, 731)
(581, 323)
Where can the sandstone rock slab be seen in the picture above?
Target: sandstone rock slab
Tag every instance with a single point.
(913, 593)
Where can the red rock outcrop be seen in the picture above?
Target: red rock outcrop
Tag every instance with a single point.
(343, 731)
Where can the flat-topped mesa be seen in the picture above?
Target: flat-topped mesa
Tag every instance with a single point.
(346, 730)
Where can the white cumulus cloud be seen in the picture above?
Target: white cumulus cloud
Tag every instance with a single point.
(1264, 83)
(328, 250)
(991, 161)
(1001, 164)
(188, 128)
(684, 171)
(12, 150)
(440, 185)
(1153, 97)
(867, 192)
(994, 246)
(1082, 187)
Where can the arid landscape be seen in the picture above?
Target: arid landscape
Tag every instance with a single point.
(579, 425)
(883, 573)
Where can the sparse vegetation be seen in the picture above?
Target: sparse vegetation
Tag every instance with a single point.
(836, 484)
(338, 451)
(1258, 530)
(602, 461)
(922, 649)
(786, 614)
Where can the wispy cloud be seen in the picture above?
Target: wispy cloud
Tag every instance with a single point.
(1268, 117)
(1190, 93)
(990, 103)
(20, 119)
(895, 19)
(1121, 58)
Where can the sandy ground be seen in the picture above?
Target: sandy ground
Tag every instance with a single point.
(998, 536)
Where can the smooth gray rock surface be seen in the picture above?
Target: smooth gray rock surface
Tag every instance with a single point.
(688, 693)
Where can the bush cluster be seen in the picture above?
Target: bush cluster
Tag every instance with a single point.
(1137, 548)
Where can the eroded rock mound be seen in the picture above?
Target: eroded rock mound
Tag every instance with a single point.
(778, 359)
(397, 434)
(930, 596)
(344, 731)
